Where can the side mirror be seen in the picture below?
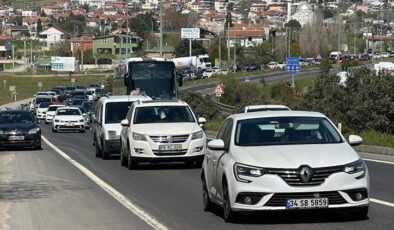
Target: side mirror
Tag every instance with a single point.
(216, 144)
(124, 122)
(202, 120)
(355, 140)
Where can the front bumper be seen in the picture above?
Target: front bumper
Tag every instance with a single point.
(274, 192)
(41, 115)
(30, 140)
(68, 126)
(112, 146)
(149, 151)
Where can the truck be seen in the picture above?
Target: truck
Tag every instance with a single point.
(195, 63)
(154, 77)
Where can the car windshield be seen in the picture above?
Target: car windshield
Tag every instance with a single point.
(63, 112)
(44, 105)
(115, 112)
(16, 117)
(267, 109)
(285, 131)
(163, 114)
(77, 102)
(40, 100)
(53, 108)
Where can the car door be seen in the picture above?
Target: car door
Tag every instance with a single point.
(125, 129)
(217, 158)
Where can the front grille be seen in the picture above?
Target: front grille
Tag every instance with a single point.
(170, 153)
(293, 178)
(279, 199)
(164, 139)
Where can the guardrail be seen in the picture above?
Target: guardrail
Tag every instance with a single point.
(226, 109)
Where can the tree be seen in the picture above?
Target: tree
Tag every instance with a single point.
(175, 20)
(229, 21)
(143, 24)
(18, 20)
(203, 106)
(62, 49)
(86, 7)
(182, 50)
(294, 25)
(230, 6)
(39, 25)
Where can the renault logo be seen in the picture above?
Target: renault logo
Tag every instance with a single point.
(305, 174)
(170, 139)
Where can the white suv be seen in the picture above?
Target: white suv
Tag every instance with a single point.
(156, 131)
(283, 160)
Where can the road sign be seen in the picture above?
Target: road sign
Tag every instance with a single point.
(63, 64)
(293, 64)
(12, 88)
(39, 84)
(218, 94)
(191, 33)
(73, 80)
(219, 90)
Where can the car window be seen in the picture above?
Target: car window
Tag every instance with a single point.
(163, 114)
(227, 134)
(53, 108)
(285, 130)
(115, 112)
(63, 112)
(222, 129)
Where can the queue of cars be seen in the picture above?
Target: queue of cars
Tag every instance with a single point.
(265, 158)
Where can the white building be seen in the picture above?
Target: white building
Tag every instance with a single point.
(29, 13)
(52, 36)
(304, 14)
(94, 3)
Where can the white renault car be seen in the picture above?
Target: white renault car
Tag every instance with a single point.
(157, 131)
(51, 113)
(68, 119)
(283, 160)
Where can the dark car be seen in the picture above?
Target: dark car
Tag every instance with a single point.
(77, 102)
(19, 128)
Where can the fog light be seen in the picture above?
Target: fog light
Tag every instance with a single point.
(247, 200)
(359, 196)
(138, 151)
(199, 149)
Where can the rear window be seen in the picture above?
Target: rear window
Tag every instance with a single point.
(43, 99)
(53, 108)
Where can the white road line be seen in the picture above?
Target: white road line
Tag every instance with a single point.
(139, 212)
(382, 202)
(379, 161)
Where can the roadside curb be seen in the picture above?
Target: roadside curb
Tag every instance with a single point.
(375, 149)
(16, 104)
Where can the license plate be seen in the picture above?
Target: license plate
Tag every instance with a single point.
(70, 124)
(307, 203)
(16, 138)
(169, 147)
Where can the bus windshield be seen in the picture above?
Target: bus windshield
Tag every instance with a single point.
(156, 80)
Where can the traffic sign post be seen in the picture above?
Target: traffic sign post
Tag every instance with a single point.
(293, 66)
(219, 91)
(39, 85)
(72, 81)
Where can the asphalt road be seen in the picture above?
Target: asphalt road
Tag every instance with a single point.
(172, 193)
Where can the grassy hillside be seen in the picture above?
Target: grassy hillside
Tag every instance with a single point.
(27, 3)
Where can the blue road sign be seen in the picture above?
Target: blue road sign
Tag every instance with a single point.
(293, 64)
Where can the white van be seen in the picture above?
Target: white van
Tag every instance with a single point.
(108, 113)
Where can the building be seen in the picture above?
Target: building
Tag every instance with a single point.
(246, 36)
(111, 46)
(81, 43)
(304, 14)
(29, 13)
(52, 36)
(5, 47)
(14, 31)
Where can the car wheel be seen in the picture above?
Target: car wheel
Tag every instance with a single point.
(38, 147)
(82, 131)
(229, 215)
(359, 213)
(123, 160)
(190, 164)
(131, 164)
(46, 122)
(104, 154)
(207, 204)
(98, 151)
(54, 130)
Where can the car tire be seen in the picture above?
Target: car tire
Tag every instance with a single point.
(229, 215)
(98, 151)
(207, 203)
(46, 122)
(82, 131)
(131, 164)
(54, 130)
(38, 147)
(123, 160)
(104, 154)
(359, 213)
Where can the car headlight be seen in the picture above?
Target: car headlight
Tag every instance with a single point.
(139, 137)
(241, 170)
(112, 134)
(198, 135)
(355, 167)
(34, 130)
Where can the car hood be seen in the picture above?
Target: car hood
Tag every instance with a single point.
(69, 117)
(162, 129)
(293, 156)
(42, 109)
(19, 126)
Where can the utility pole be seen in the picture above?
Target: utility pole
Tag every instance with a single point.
(24, 51)
(127, 29)
(82, 53)
(228, 44)
(289, 42)
(220, 53)
(381, 35)
(190, 47)
(161, 28)
(235, 53)
(13, 57)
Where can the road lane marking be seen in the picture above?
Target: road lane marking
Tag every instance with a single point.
(135, 209)
(379, 161)
(382, 202)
